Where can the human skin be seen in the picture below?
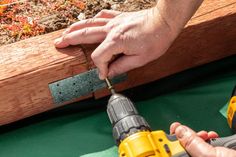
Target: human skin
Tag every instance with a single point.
(138, 37)
(194, 143)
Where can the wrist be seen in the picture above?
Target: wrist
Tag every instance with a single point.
(176, 13)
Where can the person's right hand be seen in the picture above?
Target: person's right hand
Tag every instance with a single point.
(194, 143)
(140, 37)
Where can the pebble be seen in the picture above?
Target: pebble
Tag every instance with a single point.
(81, 16)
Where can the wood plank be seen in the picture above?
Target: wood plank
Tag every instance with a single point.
(27, 67)
(209, 6)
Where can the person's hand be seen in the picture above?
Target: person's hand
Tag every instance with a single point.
(130, 39)
(194, 143)
(139, 36)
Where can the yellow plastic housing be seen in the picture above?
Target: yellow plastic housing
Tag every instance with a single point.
(231, 112)
(150, 144)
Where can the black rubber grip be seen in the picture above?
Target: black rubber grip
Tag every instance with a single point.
(171, 137)
(228, 142)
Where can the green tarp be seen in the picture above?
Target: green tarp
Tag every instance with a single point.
(193, 97)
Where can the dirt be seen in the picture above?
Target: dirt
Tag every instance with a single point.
(21, 19)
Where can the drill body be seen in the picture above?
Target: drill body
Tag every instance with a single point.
(133, 134)
(135, 138)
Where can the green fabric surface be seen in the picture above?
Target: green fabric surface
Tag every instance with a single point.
(223, 110)
(110, 152)
(193, 97)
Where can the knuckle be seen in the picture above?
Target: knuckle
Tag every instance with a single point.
(89, 21)
(189, 141)
(66, 38)
(68, 30)
(110, 26)
(84, 32)
(117, 35)
(94, 57)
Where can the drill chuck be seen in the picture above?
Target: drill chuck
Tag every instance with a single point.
(124, 117)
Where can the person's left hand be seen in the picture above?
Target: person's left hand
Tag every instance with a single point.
(128, 39)
(194, 143)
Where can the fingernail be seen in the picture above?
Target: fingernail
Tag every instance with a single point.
(181, 132)
(66, 31)
(56, 41)
(101, 77)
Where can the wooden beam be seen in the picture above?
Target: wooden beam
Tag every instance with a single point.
(27, 67)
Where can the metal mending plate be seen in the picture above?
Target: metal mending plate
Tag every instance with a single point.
(79, 85)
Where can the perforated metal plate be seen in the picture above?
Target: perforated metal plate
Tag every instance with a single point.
(79, 85)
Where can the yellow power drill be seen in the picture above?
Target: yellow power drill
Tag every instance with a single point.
(231, 112)
(134, 137)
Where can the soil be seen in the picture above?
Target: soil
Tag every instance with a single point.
(21, 19)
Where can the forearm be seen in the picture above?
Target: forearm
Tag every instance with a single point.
(176, 13)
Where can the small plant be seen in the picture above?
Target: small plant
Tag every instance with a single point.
(79, 4)
(3, 5)
(21, 19)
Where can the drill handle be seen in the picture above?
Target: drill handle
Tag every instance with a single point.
(228, 142)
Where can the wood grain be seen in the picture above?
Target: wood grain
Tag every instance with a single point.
(27, 67)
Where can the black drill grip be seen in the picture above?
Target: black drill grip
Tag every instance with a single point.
(228, 142)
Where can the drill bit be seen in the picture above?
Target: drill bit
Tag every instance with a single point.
(109, 85)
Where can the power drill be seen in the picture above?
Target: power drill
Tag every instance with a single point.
(231, 111)
(134, 137)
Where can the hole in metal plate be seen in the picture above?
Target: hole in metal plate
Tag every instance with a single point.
(79, 85)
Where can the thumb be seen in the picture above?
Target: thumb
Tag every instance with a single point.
(192, 143)
(123, 64)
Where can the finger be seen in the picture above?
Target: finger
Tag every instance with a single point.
(173, 127)
(83, 36)
(203, 135)
(193, 144)
(124, 64)
(86, 23)
(107, 14)
(103, 54)
(212, 134)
